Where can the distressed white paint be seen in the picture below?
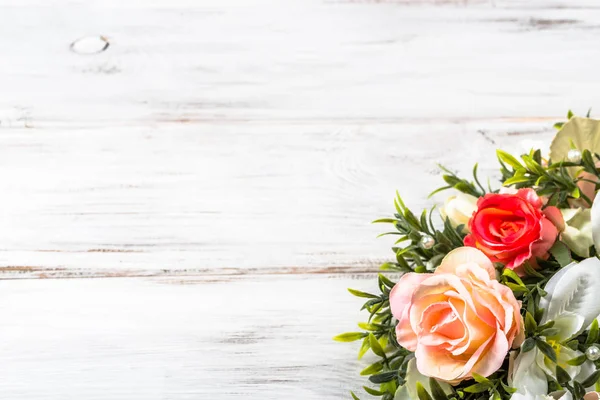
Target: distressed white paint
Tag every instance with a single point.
(231, 134)
(243, 134)
(98, 339)
(243, 146)
(207, 197)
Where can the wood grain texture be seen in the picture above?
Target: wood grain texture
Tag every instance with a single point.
(167, 338)
(237, 135)
(216, 165)
(135, 201)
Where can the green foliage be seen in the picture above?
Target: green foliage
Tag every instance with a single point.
(417, 255)
(421, 243)
(462, 185)
(553, 180)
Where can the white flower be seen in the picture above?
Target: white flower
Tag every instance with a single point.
(572, 304)
(578, 230)
(408, 391)
(529, 396)
(459, 209)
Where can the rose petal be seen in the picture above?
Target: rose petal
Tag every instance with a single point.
(466, 255)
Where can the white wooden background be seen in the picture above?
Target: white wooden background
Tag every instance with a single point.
(181, 213)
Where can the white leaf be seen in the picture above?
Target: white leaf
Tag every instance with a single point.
(584, 133)
(577, 234)
(567, 324)
(574, 290)
(527, 377)
(402, 394)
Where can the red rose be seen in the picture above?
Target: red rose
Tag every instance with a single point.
(513, 228)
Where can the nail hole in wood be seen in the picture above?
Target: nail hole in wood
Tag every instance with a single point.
(90, 45)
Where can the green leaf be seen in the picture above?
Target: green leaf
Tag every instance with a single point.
(366, 345)
(579, 391)
(546, 349)
(384, 280)
(354, 397)
(573, 344)
(516, 179)
(561, 253)
(516, 288)
(530, 271)
(562, 376)
(533, 166)
(508, 159)
(373, 392)
(508, 389)
(550, 332)
(528, 345)
(575, 193)
(422, 392)
(593, 333)
(577, 360)
(512, 275)
(383, 377)
(530, 324)
(570, 114)
(436, 390)
(358, 293)
(591, 380)
(367, 327)
(547, 325)
(349, 336)
(539, 313)
(375, 346)
(480, 378)
(385, 221)
(477, 388)
(372, 369)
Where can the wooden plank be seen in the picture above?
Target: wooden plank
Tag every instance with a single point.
(179, 338)
(198, 61)
(224, 198)
(246, 135)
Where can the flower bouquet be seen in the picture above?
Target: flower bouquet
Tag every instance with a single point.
(498, 298)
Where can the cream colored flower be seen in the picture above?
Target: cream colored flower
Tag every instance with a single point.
(578, 230)
(459, 209)
(575, 281)
(583, 133)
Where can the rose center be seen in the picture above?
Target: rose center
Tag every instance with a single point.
(508, 228)
(448, 325)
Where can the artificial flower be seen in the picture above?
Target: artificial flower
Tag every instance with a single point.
(579, 133)
(459, 209)
(571, 302)
(408, 391)
(577, 234)
(513, 228)
(459, 320)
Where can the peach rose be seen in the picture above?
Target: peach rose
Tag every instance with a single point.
(512, 228)
(459, 320)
